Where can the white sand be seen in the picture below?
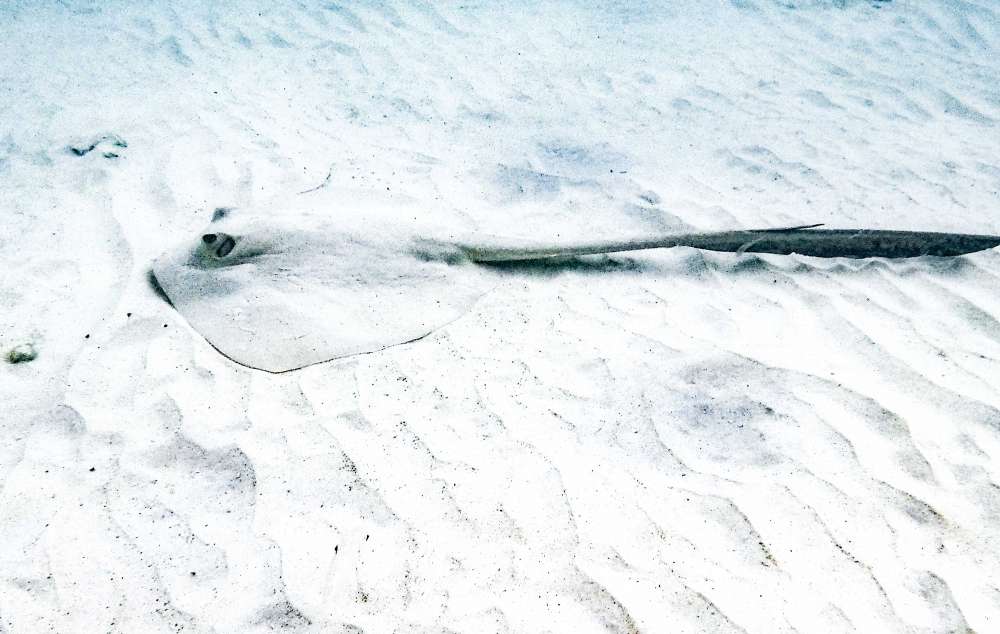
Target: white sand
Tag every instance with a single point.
(673, 441)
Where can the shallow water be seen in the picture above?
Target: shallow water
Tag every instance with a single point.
(674, 441)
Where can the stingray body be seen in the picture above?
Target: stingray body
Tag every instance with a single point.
(281, 290)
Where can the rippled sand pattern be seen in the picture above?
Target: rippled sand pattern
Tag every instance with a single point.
(674, 441)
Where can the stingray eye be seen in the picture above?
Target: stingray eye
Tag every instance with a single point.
(218, 244)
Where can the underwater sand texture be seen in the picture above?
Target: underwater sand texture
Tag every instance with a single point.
(674, 441)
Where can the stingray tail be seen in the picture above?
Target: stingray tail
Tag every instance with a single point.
(803, 240)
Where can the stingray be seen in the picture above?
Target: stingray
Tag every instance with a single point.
(279, 291)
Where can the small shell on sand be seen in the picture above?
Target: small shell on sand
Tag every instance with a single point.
(22, 353)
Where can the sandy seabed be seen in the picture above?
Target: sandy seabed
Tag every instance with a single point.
(673, 441)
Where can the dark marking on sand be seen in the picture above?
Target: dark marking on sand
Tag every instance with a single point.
(326, 181)
(112, 140)
(22, 354)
